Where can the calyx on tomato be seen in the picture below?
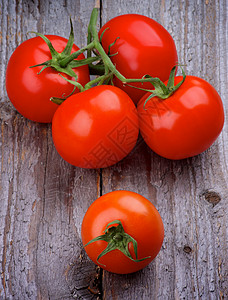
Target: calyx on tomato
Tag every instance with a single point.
(64, 62)
(117, 239)
(161, 90)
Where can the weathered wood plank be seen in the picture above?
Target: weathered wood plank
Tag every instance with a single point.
(43, 199)
(191, 195)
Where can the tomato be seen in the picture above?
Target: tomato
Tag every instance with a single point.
(95, 128)
(185, 124)
(29, 92)
(139, 218)
(144, 47)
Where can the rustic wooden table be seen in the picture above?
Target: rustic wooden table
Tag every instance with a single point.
(43, 198)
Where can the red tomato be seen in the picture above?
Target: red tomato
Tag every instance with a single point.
(140, 220)
(144, 47)
(185, 124)
(29, 92)
(95, 128)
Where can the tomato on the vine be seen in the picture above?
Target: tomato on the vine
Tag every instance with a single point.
(185, 124)
(95, 128)
(122, 232)
(29, 91)
(141, 46)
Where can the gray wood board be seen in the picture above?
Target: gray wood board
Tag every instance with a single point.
(44, 199)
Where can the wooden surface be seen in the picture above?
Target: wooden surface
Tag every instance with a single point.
(43, 199)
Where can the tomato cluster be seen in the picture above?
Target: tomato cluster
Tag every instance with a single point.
(96, 123)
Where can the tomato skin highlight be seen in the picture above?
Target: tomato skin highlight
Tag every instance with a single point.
(95, 128)
(30, 92)
(140, 219)
(144, 47)
(184, 125)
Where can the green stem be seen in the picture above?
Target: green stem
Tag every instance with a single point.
(105, 58)
(65, 61)
(103, 66)
(93, 20)
(96, 80)
(75, 83)
(107, 76)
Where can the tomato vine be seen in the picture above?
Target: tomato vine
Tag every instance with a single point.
(100, 64)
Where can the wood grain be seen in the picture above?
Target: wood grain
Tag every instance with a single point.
(43, 199)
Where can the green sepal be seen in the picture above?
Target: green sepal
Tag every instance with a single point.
(101, 36)
(83, 62)
(67, 70)
(147, 99)
(170, 83)
(46, 63)
(70, 42)
(114, 54)
(58, 100)
(44, 67)
(54, 53)
(161, 90)
(112, 44)
(57, 57)
(117, 239)
(75, 83)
